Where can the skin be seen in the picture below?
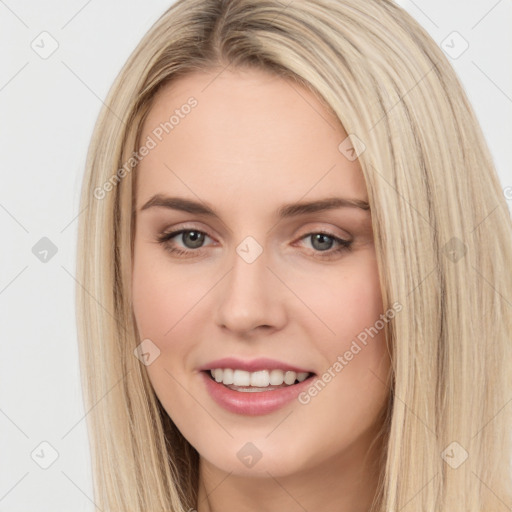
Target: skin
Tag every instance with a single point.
(252, 144)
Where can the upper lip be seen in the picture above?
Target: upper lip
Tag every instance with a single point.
(252, 365)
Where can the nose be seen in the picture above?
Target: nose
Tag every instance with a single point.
(251, 298)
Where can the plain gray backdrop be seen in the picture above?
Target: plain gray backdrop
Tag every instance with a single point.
(58, 61)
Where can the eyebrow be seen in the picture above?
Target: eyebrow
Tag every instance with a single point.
(285, 211)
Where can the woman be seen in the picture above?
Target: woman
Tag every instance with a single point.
(248, 366)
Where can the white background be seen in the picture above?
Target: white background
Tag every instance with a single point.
(47, 111)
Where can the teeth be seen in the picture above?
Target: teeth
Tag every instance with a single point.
(227, 376)
(276, 377)
(260, 379)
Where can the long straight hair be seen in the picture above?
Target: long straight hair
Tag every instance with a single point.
(442, 230)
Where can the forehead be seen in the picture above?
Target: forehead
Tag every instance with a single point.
(249, 135)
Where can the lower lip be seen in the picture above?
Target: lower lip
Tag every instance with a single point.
(253, 403)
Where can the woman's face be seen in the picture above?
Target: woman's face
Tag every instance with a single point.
(253, 277)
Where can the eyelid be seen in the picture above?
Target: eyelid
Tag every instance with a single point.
(320, 227)
(185, 227)
(316, 228)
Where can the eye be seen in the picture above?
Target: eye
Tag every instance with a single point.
(191, 238)
(323, 242)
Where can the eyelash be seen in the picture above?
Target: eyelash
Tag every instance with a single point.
(165, 238)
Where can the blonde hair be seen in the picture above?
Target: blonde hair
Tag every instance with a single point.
(442, 234)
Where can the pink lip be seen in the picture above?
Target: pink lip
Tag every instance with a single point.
(252, 403)
(252, 366)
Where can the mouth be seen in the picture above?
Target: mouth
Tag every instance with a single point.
(258, 381)
(255, 393)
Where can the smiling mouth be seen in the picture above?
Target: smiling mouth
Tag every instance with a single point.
(262, 380)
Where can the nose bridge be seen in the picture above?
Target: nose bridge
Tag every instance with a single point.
(249, 297)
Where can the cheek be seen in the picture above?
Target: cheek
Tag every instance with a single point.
(166, 305)
(356, 355)
(149, 297)
(361, 321)
(362, 298)
(160, 304)
(348, 299)
(161, 298)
